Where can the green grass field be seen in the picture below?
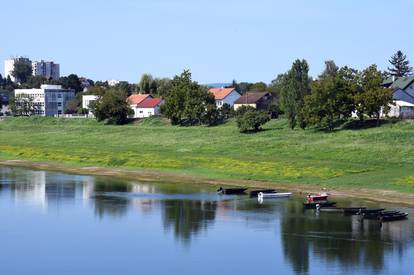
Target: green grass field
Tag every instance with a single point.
(381, 158)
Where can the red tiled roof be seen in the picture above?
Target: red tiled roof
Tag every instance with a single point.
(137, 98)
(221, 93)
(149, 103)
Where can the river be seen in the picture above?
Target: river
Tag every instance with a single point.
(55, 223)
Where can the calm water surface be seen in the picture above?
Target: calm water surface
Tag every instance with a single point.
(53, 223)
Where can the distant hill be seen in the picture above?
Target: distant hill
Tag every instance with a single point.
(217, 85)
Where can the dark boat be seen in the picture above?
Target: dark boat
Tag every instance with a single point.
(332, 209)
(353, 210)
(254, 193)
(231, 191)
(313, 205)
(393, 217)
(370, 211)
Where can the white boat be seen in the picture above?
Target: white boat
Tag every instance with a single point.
(273, 195)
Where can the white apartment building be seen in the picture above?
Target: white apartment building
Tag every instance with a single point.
(49, 100)
(46, 69)
(87, 100)
(9, 66)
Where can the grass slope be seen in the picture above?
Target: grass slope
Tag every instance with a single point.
(374, 158)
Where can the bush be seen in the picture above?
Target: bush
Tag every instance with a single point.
(252, 120)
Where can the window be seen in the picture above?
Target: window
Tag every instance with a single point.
(59, 112)
(59, 104)
(59, 95)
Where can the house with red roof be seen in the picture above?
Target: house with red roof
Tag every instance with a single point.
(225, 96)
(145, 105)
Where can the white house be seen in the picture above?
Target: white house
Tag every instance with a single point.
(403, 96)
(401, 109)
(144, 105)
(49, 100)
(225, 96)
(87, 100)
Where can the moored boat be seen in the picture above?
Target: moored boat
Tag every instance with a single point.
(231, 191)
(255, 193)
(317, 197)
(393, 217)
(262, 195)
(370, 211)
(353, 210)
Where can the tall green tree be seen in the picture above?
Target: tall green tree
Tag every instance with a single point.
(147, 84)
(259, 87)
(71, 81)
(331, 70)
(373, 99)
(400, 65)
(294, 85)
(22, 71)
(188, 103)
(112, 107)
(330, 101)
(163, 86)
(23, 105)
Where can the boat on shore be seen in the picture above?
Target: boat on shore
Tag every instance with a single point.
(317, 197)
(231, 191)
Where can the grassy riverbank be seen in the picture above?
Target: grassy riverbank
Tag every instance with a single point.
(379, 158)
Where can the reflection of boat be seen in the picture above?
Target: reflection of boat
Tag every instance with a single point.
(314, 205)
(353, 210)
(332, 209)
(393, 217)
(262, 195)
(255, 193)
(231, 191)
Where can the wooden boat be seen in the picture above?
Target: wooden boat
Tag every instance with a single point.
(353, 210)
(262, 195)
(393, 217)
(231, 191)
(313, 205)
(332, 209)
(370, 211)
(254, 193)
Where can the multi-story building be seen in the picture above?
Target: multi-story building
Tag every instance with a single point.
(47, 69)
(86, 102)
(49, 100)
(9, 66)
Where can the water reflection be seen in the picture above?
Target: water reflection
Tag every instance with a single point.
(346, 240)
(187, 213)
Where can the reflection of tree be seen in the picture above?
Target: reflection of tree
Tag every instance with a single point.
(333, 237)
(187, 218)
(111, 205)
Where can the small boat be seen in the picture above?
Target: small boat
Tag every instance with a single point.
(254, 193)
(353, 210)
(370, 211)
(332, 209)
(231, 191)
(315, 205)
(318, 197)
(376, 215)
(262, 195)
(393, 217)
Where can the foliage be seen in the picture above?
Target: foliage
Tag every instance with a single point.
(243, 109)
(188, 103)
(259, 87)
(251, 120)
(22, 105)
(293, 86)
(147, 84)
(400, 65)
(373, 99)
(163, 86)
(330, 101)
(112, 107)
(71, 81)
(22, 71)
(331, 70)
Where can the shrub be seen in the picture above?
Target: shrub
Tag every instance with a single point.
(251, 120)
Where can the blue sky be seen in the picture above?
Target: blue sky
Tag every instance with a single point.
(218, 40)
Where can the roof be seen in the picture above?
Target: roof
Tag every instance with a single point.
(251, 97)
(402, 82)
(149, 103)
(221, 93)
(403, 103)
(137, 98)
